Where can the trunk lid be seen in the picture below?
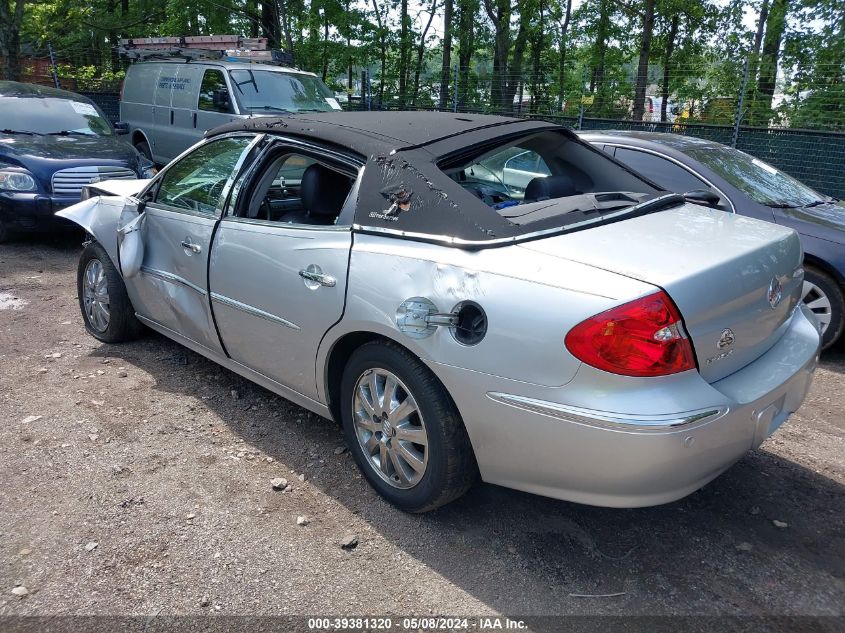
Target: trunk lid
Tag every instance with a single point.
(735, 280)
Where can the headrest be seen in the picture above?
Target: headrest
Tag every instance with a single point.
(323, 190)
(546, 187)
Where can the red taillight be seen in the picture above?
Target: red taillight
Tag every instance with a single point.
(641, 338)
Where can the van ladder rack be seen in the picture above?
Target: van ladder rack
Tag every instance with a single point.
(216, 47)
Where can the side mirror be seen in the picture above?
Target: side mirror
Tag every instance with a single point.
(121, 128)
(220, 99)
(702, 196)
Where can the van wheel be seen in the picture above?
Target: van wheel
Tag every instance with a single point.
(144, 148)
(106, 308)
(403, 429)
(824, 297)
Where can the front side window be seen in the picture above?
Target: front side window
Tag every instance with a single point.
(275, 91)
(214, 95)
(664, 172)
(196, 182)
(762, 182)
(52, 117)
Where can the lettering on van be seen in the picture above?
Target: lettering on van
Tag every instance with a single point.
(175, 83)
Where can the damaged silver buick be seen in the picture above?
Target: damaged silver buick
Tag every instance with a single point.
(469, 296)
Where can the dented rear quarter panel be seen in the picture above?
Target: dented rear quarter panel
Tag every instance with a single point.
(531, 301)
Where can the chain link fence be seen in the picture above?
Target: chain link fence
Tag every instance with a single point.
(796, 124)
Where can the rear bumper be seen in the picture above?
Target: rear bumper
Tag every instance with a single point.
(546, 441)
(33, 211)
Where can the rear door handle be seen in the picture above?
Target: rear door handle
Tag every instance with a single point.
(314, 277)
(191, 246)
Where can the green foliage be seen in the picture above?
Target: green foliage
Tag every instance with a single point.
(592, 61)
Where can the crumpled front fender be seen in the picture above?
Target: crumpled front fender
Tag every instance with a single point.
(103, 217)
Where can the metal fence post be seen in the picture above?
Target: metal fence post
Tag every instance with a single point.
(740, 104)
(455, 92)
(53, 64)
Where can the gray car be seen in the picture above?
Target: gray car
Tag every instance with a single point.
(583, 335)
(746, 185)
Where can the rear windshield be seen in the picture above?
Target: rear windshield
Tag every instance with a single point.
(500, 189)
(273, 91)
(537, 180)
(49, 115)
(762, 182)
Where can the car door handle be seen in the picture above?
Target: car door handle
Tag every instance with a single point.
(194, 248)
(318, 277)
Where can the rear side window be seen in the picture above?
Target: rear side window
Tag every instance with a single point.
(213, 92)
(140, 83)
(664, 172)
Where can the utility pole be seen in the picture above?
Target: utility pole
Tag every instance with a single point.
(53, 64)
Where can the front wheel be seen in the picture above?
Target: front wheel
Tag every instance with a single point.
(823, 296)
(403, 429)
(144, 149)
(106, 309)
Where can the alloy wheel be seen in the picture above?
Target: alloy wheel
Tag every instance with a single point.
(818, 302)
(390, 428)
(95, 296)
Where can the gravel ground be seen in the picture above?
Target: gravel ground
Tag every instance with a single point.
(137, 480)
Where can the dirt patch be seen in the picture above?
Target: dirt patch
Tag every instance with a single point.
(141, 449)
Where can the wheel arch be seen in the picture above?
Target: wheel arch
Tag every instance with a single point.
(139, 135)
(337, 357)
(825, 267)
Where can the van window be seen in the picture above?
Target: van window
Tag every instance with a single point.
(213, 82)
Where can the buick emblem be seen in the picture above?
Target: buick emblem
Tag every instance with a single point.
(775, 293)
(726, 339)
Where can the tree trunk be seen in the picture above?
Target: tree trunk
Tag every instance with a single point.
(421, 52)
(667, 59)
(598, 57)
(561, 71)
(536, 52)
(514, 70)
(11, 17)
(270, 23)
(466, 43)
(775, 27)
(645, 53)
(404, 53)
(325, 72)
(500, 16)
(445, 68)
(382, 36)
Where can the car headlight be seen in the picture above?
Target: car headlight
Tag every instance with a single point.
(16, 180)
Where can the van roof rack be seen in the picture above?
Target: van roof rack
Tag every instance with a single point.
(217, 47)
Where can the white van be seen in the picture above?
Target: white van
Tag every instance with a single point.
(168, 105)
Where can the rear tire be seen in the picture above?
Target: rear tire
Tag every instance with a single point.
(824, 297)
(444, 465)
(106, 309)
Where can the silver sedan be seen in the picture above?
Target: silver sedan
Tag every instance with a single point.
(468, 296)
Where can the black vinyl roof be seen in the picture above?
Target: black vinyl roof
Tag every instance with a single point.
(383, 132)
(403, 189)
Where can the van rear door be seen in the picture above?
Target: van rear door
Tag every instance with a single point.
(136, 105)
(159, 139)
